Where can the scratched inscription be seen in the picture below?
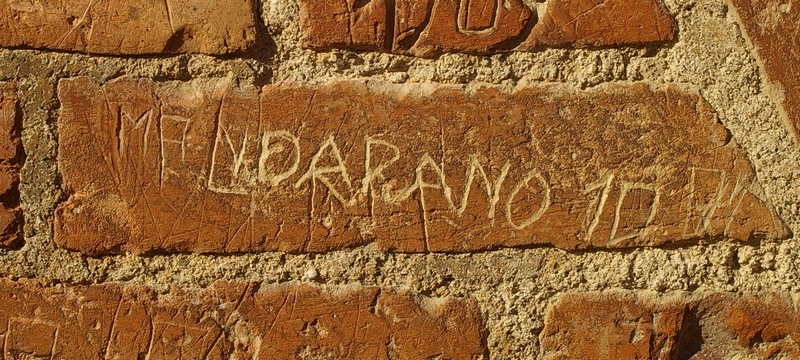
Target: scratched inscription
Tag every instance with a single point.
(123, 27)
(431, 27)
(233, 321)
(205, 167)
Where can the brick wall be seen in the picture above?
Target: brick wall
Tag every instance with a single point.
(407, 179)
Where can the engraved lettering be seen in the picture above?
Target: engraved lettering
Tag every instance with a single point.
(545, 204)
(625, 190)
(477, 16)
(703, 203)
(595, 209)
(238, 156)
(735, 198)
(430, 27)
(371, 173)
(173, 124)
(411, 168)
(267, 151)
(126, 121)
(419, 182)
(315, 173)
(492, 189)
(230, 188)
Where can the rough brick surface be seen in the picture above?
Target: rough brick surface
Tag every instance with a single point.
(612, 326)
(627, 325)
(204, 167)
(345, 25)
(774, 28)
(234, 320)
(593, 23)
(472, 26)
(10, 158)
(430, 28)
(131, 27)
(766, 325)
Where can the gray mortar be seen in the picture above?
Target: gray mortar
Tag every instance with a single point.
(513, 286)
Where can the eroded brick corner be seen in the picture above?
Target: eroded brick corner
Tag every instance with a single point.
(774, 29)
(130, 27)
(10, 162)
(428, 28)
(643, 325)
(234, 320)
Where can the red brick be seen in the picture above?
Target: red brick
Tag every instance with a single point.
(630, 325)
(774, 29)
(129, 27)
(410, 17)
(234, 320)
(765, 325)
(611, 326)
(10, 158)
(429, 28)
(344, 24)
(452, 27)
(153, 166)
(598, 23)
(364, 324)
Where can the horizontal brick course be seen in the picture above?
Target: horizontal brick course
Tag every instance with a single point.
(429, 28)
(10, 161)
(129, 27)
(204, 167)
(294, 179)
(234, 320)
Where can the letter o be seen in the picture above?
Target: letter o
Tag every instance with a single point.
(542, 208)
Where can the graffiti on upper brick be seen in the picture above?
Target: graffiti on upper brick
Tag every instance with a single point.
(431, 27)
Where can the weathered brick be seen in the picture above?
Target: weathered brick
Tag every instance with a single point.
(774, 29)
(598, 23)
(234, 320)
(765, 325)
(10, 158)
(129, 27)
(204, 167)
(612, 326)
(629, 325)
(453, 27)
(350, 24)
(429, 28)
